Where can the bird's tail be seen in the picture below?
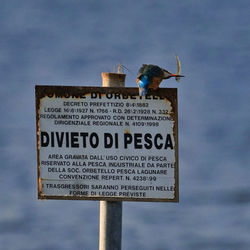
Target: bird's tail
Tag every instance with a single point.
(143, 91)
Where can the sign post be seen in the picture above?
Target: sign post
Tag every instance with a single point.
(110, 225)
(107, 144)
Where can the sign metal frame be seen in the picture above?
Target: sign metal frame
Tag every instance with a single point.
(168, 94)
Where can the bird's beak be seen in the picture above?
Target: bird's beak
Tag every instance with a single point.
(176, 75)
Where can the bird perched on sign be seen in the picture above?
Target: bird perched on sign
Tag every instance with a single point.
(150, 76)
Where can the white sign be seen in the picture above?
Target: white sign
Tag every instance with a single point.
(107, 144)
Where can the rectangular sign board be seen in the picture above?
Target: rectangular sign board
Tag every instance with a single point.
(96, 143)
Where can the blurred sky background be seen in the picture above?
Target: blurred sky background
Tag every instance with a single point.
(59, 42)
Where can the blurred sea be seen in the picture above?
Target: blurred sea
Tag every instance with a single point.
(71, 43)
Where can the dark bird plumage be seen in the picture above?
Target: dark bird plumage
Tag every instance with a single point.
(150, 76)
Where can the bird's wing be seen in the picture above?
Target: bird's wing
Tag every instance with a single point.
(141, 70)
(150, 71)
(178, 68)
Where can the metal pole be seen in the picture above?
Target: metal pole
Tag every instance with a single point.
(110, 229)
(110, 234)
